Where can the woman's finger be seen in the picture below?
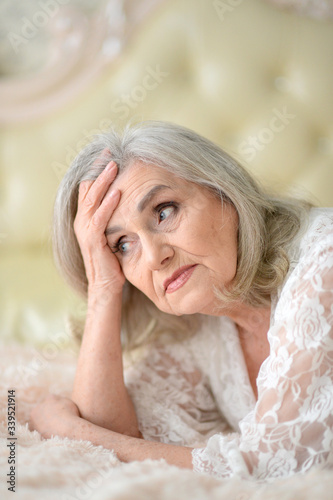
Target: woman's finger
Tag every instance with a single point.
(104, 213)
(99, 188)
(103, 159)
(83, 190)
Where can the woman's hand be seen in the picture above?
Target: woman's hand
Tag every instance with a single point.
(55, 415)
(95, 209)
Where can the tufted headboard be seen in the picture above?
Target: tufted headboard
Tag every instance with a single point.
(256, 79)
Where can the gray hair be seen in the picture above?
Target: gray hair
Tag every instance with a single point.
(267, 224)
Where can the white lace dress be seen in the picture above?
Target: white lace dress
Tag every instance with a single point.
(197, 393)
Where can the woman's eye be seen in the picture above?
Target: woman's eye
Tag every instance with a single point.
(120, 247)
(164, 213)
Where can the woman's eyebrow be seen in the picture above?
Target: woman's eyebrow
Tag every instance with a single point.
(141, 206)
(149, 196)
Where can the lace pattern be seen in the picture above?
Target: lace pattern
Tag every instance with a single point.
(197, 393)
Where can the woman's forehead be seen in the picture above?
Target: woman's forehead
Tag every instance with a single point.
(140, 175)
(139, 186)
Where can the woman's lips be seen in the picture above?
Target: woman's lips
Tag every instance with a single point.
(180, 280)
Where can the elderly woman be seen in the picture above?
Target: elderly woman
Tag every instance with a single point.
(223, 292)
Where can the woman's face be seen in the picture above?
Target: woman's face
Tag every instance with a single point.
(180, 225)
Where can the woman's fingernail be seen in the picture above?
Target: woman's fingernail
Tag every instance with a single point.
(111, 166)
(113, 193)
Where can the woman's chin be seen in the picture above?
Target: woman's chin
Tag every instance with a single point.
(186, 304)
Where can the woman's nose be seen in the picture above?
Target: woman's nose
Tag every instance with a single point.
(156, 250)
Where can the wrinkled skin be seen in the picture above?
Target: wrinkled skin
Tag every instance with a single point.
(197, 230)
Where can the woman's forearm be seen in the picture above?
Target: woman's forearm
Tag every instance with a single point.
(99, 390)
(129, 448)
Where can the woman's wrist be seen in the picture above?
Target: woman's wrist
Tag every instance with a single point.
(128, 448)
(71, 424)
(106, 304)
(105, 294)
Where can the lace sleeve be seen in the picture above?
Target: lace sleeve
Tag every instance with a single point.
(291, 426)
(172, 397)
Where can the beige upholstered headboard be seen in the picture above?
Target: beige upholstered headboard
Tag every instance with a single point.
(256, 79)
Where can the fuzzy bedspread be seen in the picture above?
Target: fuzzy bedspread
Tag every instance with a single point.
(65, 469)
